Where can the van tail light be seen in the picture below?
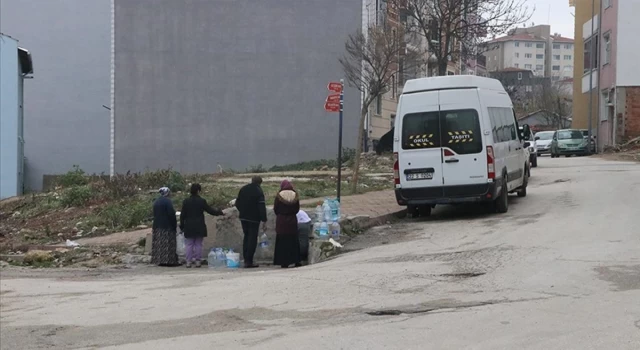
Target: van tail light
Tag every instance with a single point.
(396, 169)
(491, 164)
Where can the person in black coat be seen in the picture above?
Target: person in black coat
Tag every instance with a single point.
(193, 225)
(163, 238)
(253, 210)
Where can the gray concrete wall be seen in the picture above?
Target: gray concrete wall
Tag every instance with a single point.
(64, 121)
(235, 82)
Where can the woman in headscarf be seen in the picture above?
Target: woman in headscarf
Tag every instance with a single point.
(193, 225)
(163, 246)
(286, 207)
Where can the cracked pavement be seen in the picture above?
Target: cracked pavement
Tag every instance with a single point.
(561, 270)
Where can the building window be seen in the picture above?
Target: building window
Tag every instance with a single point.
(517, 55)
(517, 65)
(607, 48)
(590, 45)
(556, 57)
(528, 55)
(540, 45)
(539, 57)
(517, 44)
(556, 46)
(527, 66)
(393, 121)
(607, 4)
(519, 75)
(539, 67)
(528, 45)
(556, 68)
(528, 88)
(379, 105)
(568, 46)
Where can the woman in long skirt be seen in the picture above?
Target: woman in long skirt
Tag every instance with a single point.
(286, 206)
(163, 246)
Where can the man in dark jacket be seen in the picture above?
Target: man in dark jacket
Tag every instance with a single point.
(253, 211)
(193, 225)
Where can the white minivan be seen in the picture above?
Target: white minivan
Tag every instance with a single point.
(457, 141)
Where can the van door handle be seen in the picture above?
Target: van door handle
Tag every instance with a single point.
(452, 160)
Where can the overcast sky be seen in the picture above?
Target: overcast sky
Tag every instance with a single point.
(559, 17)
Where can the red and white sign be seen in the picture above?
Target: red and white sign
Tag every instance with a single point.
(333, 98)
(332, 106)
(335, 87)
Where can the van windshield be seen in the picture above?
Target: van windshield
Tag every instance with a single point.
(456, 129)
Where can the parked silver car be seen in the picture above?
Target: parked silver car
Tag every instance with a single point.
(543, 141)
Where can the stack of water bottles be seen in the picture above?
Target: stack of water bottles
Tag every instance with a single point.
(220, 258)
(327, 223)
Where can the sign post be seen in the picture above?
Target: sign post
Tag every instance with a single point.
(335, 103)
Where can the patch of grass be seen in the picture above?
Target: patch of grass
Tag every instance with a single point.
(161, 178)
(126, 214)
(76, 196)
(74, 177)
(348, 155)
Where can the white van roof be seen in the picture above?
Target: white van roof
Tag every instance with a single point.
(452, 82)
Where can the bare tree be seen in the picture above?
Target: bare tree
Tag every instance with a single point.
(550, 99)
(372, 59)
(455, 29)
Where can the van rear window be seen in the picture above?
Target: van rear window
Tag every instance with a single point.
(455, 129)
(461, 131)
(421, 130)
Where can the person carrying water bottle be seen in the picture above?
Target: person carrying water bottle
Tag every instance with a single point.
(286, 207)
(193, 225)
(252, 209)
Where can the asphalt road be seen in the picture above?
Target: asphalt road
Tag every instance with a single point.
(561, 270)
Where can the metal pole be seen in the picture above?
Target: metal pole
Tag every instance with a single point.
(340, 139)
(591, 64)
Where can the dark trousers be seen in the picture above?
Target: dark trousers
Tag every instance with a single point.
(250, 230)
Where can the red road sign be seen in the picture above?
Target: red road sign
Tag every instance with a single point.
(333, 98)
(335, 87)
(332, 106)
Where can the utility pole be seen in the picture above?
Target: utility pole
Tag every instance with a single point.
(592, 56)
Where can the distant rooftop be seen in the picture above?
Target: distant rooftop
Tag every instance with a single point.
(517, 37)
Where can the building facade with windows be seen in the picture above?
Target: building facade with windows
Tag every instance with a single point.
(534, 49)
(613, 69)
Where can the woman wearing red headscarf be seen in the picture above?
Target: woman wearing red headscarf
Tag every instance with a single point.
(286, 206)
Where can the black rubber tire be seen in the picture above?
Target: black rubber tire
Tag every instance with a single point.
(412, 211)
(502, 202)
(522, 192)
(424, 211)
(534, 162)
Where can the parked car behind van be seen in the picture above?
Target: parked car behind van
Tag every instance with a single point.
(457, 141)
(569, 142)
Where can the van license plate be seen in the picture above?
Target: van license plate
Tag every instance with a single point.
(420, 176)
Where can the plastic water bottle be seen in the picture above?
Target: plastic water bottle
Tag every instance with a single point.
(221, 258)
(324, 230)
(327, 210)
(335, 209)
(316, 229)
(319, 213)
(335, 230)
(264, 245)
(212, 259)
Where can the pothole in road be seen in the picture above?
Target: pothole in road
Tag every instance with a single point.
(393, 312)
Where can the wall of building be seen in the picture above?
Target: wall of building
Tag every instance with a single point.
(64, 121)
(609, 26)
(628, 72)
(9, 122)
(581, 100)
(235, 83)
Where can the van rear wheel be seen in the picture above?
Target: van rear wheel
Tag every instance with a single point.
(502, 202)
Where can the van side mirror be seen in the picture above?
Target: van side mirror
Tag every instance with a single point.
(527, 144)
(526, 131)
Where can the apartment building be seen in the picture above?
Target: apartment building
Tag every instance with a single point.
(534, 49)
(613, 69)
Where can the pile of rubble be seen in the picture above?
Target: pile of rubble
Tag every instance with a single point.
(629, 149)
